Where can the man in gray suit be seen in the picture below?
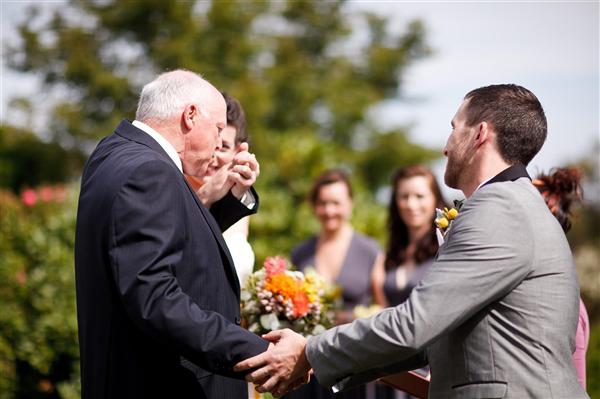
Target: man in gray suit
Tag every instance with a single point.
(495, 317)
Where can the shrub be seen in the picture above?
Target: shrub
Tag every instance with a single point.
(39, 356)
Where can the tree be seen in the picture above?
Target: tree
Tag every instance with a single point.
(307, 73)
(28, 161)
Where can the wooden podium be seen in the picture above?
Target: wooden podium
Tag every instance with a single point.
(410, 382)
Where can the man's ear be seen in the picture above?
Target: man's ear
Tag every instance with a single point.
(189, 116)
(484, 133)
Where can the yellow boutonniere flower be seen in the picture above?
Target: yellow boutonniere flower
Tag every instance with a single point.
(442, 222)
(445, 216)
(452, 213)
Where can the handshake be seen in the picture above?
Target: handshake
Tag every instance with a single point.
(282, 367)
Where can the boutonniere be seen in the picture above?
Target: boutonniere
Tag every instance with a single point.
(444, 218)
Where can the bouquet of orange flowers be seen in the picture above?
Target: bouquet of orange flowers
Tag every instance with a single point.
(275, 297)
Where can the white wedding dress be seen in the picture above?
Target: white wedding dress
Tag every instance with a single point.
(236, 238)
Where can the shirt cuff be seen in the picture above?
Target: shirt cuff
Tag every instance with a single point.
(248, 200)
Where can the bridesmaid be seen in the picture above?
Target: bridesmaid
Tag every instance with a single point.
(341, 255)
(412, 242)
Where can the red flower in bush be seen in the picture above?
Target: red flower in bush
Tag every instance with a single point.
(60, 193)
(46, 193)
(29, 197)
(21, 277)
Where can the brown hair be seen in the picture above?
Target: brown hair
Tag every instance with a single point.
(560, 190)
(397, 230)
(516, 116)
(326, 178)
(236, 118)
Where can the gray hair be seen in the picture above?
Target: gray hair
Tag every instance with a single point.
(167, 95)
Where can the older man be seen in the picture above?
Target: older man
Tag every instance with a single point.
(157, 293)
(495, 316)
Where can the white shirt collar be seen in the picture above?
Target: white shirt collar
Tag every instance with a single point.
(482, 183)
(168, 147)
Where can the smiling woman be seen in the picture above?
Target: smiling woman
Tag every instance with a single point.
(341, 255)
(412, 242)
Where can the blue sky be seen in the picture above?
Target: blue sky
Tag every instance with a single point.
(550, 47)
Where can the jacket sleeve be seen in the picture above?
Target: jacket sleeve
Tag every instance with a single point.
(148, 236)
(483, 259)
(412, 363)
(228, 210)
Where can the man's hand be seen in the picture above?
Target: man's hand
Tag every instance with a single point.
(216, 186)
(238, 176)
(282, 367)
(244, 171)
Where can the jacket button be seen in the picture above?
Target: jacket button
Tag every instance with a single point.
(238, 320)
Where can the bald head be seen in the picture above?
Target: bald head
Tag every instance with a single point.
(166, 96)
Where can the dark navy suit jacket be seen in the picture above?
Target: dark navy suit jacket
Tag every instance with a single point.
(157, 293)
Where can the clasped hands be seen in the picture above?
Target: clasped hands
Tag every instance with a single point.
(281, 368)
(238, 176)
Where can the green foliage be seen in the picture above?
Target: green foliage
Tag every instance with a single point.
(27, 161)
(38, 344)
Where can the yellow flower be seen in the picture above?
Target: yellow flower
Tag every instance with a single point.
(311, 290)
(442, 223)
(452, 214)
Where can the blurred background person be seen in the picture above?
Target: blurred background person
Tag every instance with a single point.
(412, 243)
(341, 255)
(217, 182)
(561, 189)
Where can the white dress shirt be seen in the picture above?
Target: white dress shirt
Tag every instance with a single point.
(164, 143)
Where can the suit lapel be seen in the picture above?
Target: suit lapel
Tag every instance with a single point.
(218, 236)
(130, 132)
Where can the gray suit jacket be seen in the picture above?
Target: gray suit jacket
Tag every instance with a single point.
(495, 316)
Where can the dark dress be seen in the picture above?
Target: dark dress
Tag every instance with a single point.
(395, 296)
(355, 280)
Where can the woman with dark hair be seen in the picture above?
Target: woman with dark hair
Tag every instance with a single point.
(560, 189)
(412, 241)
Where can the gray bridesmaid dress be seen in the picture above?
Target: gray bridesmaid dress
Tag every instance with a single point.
(355, 280)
